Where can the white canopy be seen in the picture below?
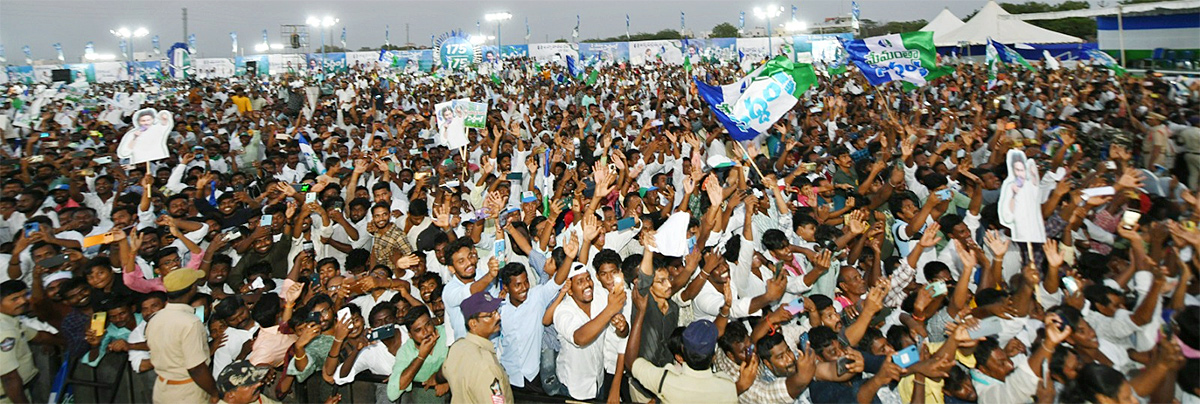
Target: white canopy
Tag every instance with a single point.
(945, 21)
(992, 22)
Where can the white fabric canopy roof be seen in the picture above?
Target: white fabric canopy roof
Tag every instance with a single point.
(992, 22)
(944, 22)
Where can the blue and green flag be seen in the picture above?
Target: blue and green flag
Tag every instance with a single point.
(748, 107)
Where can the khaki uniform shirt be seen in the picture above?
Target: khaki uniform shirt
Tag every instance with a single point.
(686, 385)
(474, 373)
(178, 341)
(14, 351)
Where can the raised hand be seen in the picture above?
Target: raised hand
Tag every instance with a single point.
(1056, 330)
(998, 244)
(407, 261)
(1054, 256)
(931, 237)
(572, 246)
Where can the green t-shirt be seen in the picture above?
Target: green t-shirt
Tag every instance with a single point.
(405, 356)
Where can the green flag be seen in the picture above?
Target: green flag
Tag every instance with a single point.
(591, 78)
(496, 80)
(687, 63)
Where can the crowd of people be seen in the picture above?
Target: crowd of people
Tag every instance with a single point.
(604, 241)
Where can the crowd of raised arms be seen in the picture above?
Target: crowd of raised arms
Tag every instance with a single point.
(603, 242)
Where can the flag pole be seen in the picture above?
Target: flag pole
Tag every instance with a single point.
(746, 155)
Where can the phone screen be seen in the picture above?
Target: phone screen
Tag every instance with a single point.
(625, 223)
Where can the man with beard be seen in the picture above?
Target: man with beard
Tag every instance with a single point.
(77, 294)
(350, 231)
(102, 197)
(232, 331)
(580, 324)
(315, 338)
(390, 240)
(263, 248)
(466, 281)
(419, 359)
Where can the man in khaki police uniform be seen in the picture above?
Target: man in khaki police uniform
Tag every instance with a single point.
(471, 367)
(16, 360)
(178, 344)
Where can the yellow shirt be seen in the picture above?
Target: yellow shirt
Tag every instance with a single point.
(933, 388)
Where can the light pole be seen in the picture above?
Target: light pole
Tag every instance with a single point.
(499, 18)
(321, 24)
(125, 33)
(770, 12)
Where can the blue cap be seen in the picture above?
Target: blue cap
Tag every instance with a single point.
(700, 337)
(483, 302)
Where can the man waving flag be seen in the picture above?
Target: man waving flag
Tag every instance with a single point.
(748, 107)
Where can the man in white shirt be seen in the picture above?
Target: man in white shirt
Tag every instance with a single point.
(581, 323)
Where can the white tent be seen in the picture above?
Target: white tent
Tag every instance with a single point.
(992, 22)
(945, 21)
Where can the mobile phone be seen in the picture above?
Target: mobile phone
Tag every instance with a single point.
(308, 246)
(936, 288)
(382, 332)
(391, 150)
(54, 261)
(1098, 191)
(200, 313)
(37, 159)
(625, 223)
(103, 238)
(1110, 165)
(907, 357)
(343, 314)
(44, 135)
(1070, 285)
(987, 327)
(310, 197)
(99, 320)
(842, 365)
(1130, 218)
(302, 187)
(809, 166)
(514, 176)
(498, 250)
(32, 227)
(258, 284)
(944, 194)
(232, 235)
(265, 220)
(313, 317)
(794, 307)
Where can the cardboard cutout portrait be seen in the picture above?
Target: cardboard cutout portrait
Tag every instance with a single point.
(452, 122)
(1020, 206)
(147, 141)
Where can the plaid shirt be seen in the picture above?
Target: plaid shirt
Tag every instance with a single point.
(900, 279)
(390, 243)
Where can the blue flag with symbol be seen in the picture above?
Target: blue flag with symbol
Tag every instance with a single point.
(748, 107)
(573, 68)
